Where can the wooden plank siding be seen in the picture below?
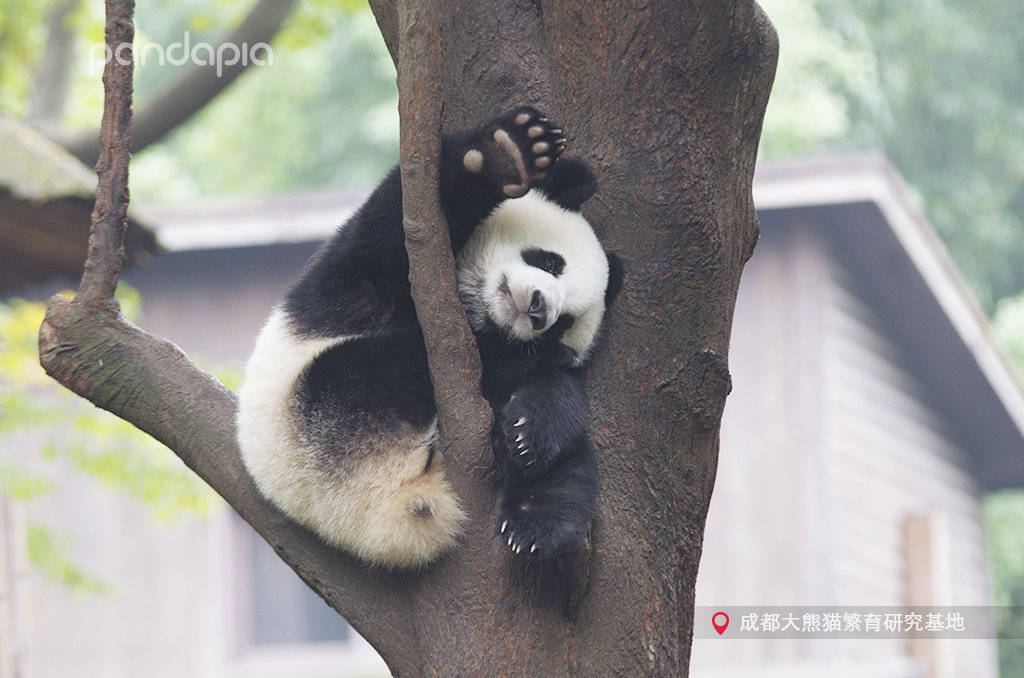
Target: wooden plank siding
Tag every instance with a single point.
(893, 455)
(830, 441)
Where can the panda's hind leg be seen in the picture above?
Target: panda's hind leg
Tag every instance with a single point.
(373, 482)
(546, 517)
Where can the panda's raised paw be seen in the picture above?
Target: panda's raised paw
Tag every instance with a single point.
(535, 534)
(515, 150)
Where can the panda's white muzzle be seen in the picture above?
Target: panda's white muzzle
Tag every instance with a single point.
(526, 305)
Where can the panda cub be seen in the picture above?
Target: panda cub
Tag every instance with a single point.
(336, 417)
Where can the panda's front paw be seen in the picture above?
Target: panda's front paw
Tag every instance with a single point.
(535, 533)
(515, 150)
(529, 442)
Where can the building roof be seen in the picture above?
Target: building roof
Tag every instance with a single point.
(219, 224)
(867, 209)
(873, 217)
(46, 198)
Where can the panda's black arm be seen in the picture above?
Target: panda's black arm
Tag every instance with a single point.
(545, 417)
(359, 279)
(466, 198)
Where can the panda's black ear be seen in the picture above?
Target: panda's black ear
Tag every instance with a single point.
(616, 272)
(569, 183)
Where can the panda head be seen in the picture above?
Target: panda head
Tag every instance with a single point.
(533, 267)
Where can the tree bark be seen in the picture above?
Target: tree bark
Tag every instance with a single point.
(665, 100)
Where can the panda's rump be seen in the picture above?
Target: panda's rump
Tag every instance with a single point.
(360, 394)
(345, 446)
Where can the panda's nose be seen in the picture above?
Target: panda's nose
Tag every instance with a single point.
(538, 311)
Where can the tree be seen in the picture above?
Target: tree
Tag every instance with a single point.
(666, 100)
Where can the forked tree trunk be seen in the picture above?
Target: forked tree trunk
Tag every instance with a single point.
(665, 99)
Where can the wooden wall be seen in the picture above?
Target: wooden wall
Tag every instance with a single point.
(830, 444)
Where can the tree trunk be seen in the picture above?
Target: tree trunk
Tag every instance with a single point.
(665, 100)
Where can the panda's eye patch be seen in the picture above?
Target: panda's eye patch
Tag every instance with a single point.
(545, 260)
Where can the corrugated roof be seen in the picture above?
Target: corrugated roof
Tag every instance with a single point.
(34, 168)
(46, 199)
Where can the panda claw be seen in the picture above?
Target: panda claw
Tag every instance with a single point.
(503, 526)
(520, 422)
(529, 463)
(533, 548)
(519, 439)
(523, 452)
(519, 547)
(510, 540)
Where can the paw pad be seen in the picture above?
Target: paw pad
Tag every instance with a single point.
(514, 150)
(473, 161)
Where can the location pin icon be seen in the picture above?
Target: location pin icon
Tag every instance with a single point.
(720, 621)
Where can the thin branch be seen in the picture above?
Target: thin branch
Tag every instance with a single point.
(199, 85)
(110, 213)
(451, 349)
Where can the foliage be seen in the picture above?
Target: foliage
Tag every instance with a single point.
(1008, 326)
(45, 431)
(808, 108)
(49, 554)
(938, 86)
(324, 115)
(1004, 515)
(22, 34)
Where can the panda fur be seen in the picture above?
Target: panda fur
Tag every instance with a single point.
(336, 418)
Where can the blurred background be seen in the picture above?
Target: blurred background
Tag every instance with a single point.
(889, 280)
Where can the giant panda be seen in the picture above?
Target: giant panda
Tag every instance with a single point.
(336, 417)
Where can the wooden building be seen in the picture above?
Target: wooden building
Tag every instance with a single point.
(870, 413)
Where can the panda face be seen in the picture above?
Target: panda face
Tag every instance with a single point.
(528, 298)
(529, 264)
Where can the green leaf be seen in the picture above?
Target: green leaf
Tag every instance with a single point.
(49, 554)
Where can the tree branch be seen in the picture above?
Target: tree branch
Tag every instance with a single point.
(451, 349)
(386, 13)
(110, 212)
(150, 383)
(196, 87)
